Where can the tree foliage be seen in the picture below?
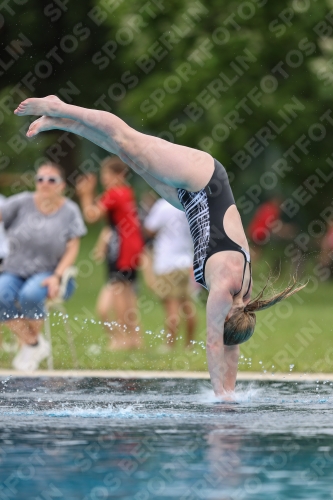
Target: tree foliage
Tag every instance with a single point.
(250, 82)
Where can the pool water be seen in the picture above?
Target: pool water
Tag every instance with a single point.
(94, 439)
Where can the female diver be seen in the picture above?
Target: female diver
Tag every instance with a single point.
(192, 181)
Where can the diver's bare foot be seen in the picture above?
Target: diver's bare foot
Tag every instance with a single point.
(49, 123)
(50, 106)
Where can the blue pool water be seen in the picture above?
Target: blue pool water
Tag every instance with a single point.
(94, 439)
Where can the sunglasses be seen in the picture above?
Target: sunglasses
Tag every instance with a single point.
(48, 178)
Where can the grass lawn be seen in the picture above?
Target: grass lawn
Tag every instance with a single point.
(294, 335)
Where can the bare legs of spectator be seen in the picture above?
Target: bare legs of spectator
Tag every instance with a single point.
(189, 312)
(127, 311)
(124, 331)
(146, 265)
(172, 320)
(175, 311)
(26, 329)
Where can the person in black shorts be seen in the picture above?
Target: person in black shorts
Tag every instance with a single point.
(193, 181)
(123, 243)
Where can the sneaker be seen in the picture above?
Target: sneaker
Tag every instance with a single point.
(29, 357)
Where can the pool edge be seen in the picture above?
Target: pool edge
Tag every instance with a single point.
(146, 374)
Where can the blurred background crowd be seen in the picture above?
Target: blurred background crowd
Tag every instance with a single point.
(250, 83)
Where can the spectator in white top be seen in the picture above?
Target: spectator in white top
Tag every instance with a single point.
(172, 265)
(44, 230)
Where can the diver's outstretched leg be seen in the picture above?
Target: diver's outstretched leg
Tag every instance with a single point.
(174, 165)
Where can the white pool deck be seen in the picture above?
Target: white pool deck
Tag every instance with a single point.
(140, 374)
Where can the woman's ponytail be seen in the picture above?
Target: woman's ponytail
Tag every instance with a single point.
(240, 327)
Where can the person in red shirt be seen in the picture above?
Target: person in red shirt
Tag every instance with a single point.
(123, 245)
(267, 222)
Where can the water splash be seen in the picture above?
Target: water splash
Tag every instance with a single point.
(247, 394)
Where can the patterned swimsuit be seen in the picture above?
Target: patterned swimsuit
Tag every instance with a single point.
(205, 212)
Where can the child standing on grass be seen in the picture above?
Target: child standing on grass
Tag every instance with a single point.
(123, 244)
(172, 264)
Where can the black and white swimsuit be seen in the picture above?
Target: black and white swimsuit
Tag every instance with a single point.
(205, 212)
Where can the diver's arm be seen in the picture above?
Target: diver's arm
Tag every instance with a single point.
(222, 373)
(231, 355)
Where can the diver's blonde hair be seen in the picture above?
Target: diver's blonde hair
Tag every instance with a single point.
(240, 327)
